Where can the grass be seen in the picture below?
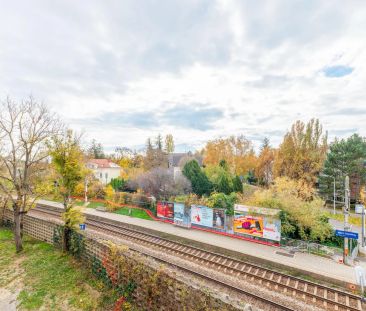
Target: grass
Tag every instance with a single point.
(135, 212)
(95, 204)
(357, 221)
(79, 203)
(51, 280)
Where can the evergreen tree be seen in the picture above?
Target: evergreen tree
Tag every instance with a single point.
(200, 183)
(237, 184)
(346, 157)
(224, 184)
(159, 142)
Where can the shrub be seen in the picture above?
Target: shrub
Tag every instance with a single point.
(222, 200)
(301, 216)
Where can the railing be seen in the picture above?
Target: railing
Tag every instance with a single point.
(310, 247)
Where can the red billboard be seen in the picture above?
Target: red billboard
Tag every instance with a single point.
(165, 210)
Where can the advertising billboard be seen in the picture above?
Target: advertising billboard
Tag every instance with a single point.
(272, 228)
(248, 224)
(165, 210)
(257, 221)
(181, 215)
(218, 219)
(201, 215)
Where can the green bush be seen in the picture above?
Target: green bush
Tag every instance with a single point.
(222, 200)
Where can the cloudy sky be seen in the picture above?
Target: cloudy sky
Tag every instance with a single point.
(124, 70)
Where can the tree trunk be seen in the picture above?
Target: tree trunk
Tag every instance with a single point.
(21, 216)
(17, 230)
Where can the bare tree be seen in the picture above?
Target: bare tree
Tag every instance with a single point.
(160, 183)
(24, 129)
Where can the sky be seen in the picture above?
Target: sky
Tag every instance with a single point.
(122, 71)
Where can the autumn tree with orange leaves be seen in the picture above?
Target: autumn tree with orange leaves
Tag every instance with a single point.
(302, 152)
(236, 151)
(264, 168)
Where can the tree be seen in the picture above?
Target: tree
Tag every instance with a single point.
(200, 183)
(117, 184)
(155, 157)
(24, 129)
(346, 157)
(301, 217)
(237, 184)
(236, 151)
(302, 153)
(169, 143)
(159, 142)
(95, 150)
(160, 183)
(221, 200)
(264, 168)
(220, 177)
(68, 163)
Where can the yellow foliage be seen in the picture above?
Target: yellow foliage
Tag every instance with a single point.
(125, 163)
(73, 217)
(79, 190)
(302, 153)
(237, 151)
(109, 192)
(300, 203)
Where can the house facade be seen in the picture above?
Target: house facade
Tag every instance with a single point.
(104, 170)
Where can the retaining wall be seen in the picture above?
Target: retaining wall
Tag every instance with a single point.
(156, 288)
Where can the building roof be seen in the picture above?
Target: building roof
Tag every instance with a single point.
(174, 158)
(103, 163)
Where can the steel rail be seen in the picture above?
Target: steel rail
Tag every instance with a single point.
(203, 255)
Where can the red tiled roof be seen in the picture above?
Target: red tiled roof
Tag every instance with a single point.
(104, 163)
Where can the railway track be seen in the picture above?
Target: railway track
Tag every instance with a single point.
(309, 292)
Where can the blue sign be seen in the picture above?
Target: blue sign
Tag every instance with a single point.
(347, 234)
(82, 226)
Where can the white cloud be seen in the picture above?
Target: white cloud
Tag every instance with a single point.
(260, 63)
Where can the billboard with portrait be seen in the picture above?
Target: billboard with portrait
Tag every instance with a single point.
(218, 218)
(165, 210)
(181, 215)
(201, 215)
(272, 228)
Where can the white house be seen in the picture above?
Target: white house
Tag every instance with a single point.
(104, 169)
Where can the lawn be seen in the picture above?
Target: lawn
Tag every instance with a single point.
(95, 204)
(357, 221)
(50, 280)
(79, 203)
(135, 212)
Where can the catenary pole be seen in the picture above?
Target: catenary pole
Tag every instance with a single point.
(346, 224)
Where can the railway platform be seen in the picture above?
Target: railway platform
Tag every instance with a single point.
(303, 263)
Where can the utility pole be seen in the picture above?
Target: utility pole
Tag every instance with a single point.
(346, 225)
(86, 190)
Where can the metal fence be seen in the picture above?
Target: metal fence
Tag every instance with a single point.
(309, 247)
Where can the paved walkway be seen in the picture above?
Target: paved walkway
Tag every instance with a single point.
(303, 261)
